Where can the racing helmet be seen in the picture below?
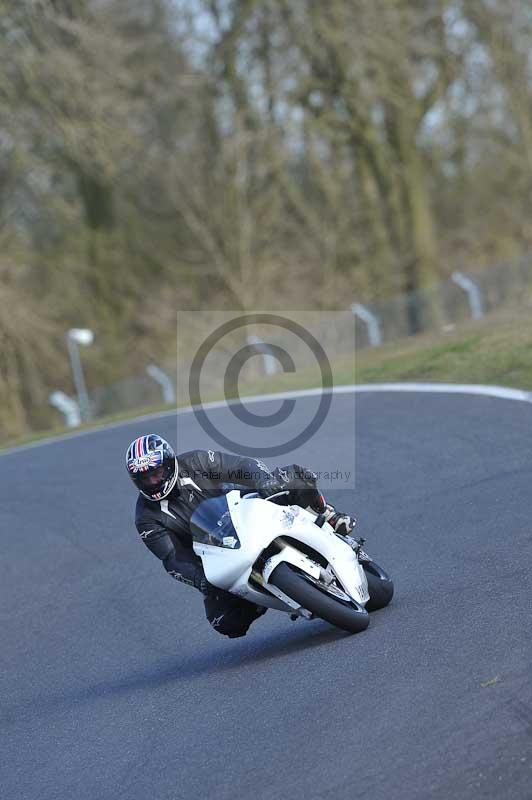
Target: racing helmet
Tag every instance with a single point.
(152, 466)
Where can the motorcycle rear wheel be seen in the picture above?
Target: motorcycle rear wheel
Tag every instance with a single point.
(349, 617)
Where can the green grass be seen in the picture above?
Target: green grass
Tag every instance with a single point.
(492, 352)
(495, 351)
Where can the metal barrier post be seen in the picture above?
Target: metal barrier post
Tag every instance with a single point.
(160, 377)
(271, 365)
(68, 407)
(371, 322)
(472, 291)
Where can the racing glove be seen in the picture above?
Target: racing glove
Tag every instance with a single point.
(340, 523)
(269, 486)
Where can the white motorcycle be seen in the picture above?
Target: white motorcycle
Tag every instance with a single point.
(286, 558)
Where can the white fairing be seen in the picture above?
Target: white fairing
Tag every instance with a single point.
(258, 523)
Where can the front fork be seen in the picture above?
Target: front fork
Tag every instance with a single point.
(355, 545)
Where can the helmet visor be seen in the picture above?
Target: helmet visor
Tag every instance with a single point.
(152, 482)
(154, 479)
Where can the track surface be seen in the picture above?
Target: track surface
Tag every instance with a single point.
(113, 685)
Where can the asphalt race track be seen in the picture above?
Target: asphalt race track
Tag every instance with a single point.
(114, 686)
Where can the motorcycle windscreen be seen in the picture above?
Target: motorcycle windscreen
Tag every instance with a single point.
(211, 523)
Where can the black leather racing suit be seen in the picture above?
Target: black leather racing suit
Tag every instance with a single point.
(164, 525)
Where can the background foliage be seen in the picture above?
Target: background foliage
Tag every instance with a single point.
(157, 155)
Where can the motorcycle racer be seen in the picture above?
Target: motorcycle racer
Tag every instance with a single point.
(171, 487)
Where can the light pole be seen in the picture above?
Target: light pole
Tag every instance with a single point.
(76, 337)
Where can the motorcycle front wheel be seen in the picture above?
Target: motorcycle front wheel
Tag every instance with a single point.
(380, 586)
(349, 617)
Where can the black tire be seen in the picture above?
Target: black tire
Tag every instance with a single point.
(380, 586)
(347, 616)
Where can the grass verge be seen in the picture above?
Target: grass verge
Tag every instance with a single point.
(497, 351)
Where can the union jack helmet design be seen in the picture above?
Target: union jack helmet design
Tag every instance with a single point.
(152, 466)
